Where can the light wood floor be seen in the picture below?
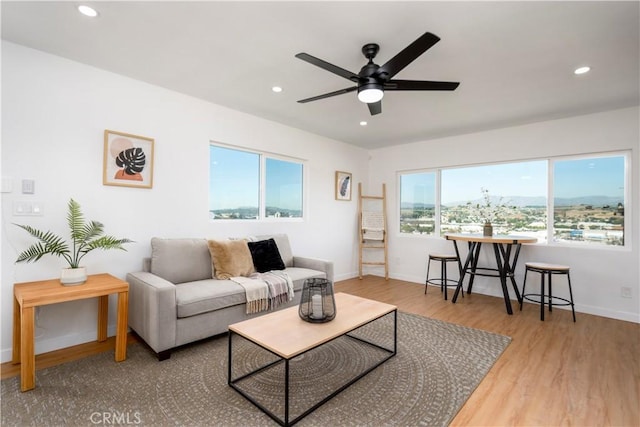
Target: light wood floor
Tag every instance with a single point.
(553, 373)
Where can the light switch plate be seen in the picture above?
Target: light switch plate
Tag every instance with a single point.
(28, 186)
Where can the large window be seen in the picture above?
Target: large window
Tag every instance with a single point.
(250, 185)
(585, 194)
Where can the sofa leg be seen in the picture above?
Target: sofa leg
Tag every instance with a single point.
(164, 355)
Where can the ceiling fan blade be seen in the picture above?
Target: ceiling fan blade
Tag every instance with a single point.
(407, 55)
(419, 85)
(375, 108)
(330, 94)
(327, 66)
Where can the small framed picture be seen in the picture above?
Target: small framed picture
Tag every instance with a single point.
(128, 160)
(343, 186)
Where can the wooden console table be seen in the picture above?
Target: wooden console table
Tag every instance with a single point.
(28, 295)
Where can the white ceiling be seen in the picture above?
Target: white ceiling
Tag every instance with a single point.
(515, 60)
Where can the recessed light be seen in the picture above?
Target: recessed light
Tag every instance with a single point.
(582, 70)
(363, 123)
(276, 89)
(87, 11)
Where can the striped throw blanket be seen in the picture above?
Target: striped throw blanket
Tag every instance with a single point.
(266, 291)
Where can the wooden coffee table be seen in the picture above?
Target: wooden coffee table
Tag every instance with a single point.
(287, 336)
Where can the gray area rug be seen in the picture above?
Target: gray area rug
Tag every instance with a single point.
(437, 367)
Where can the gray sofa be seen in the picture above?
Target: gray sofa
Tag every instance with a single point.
(175, 300)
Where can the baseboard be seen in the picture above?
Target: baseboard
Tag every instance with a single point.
(611, 314)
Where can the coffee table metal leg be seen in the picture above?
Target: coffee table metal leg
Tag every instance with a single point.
(229, 358)
(286, 392)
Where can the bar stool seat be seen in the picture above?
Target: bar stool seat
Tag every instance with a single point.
(442, 281)
(547, 270)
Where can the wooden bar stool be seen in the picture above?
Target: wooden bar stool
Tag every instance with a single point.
(547, 270)
(443, 281)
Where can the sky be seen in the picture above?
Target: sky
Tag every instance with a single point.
(602, 176)
(233, 178)
(505, 180)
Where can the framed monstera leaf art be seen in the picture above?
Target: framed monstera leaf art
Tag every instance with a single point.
(128, 160)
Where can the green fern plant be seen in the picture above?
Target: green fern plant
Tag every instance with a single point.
(85, 237)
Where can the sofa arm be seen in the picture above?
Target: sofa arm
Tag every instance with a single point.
(152, 309)
(315, 264)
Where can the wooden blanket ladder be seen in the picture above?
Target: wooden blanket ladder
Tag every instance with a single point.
(372, 225)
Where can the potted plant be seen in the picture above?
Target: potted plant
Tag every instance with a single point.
(85, 237)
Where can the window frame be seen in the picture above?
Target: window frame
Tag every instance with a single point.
(628, 173)
(262, 190)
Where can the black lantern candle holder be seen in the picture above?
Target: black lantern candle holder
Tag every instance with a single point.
(317, 304)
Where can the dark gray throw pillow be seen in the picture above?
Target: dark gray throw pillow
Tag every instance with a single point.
(266, 256)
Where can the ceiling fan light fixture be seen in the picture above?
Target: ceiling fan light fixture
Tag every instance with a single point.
(370, 93)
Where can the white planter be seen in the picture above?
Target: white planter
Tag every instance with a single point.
(73, 276)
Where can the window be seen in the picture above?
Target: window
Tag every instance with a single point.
(586, 196)
(417, 203)
(517, 193)
(588, 200)
(238, 188)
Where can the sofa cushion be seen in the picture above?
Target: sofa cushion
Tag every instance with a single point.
(180, 260)
(265, 255)
(193, 298)
(231, 258)
(282, 241)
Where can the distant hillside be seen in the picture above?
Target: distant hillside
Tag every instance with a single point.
(596, 201)
(520, 201)
(407, 205)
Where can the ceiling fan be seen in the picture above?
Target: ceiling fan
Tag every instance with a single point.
(373, 79)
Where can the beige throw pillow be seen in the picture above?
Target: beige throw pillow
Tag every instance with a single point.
(231, 258)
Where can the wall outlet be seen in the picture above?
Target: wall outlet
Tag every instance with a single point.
(625, 292)
(25, 208)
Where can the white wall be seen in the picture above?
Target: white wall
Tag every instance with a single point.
(597, 274)
(54, 113)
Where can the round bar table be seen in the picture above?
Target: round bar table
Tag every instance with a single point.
(506, 260)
